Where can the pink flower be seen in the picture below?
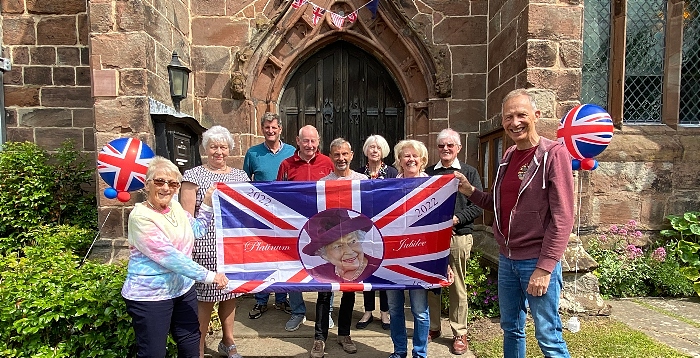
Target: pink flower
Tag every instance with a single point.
(603, 238)
(633, 252)
(638, 234)
(613, 229)
(632, 223)
(622, 232)
(659, 254)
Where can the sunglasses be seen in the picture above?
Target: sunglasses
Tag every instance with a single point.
(450, 145)
(160, 182)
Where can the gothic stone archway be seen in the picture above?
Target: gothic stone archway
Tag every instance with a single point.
(292, 39)
(344, 92)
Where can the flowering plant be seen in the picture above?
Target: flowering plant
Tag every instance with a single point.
(631, 265)
(482, 289)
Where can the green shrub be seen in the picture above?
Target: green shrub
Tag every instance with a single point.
(686, 231)
(50, 306)
(38, 188)
(482, 289)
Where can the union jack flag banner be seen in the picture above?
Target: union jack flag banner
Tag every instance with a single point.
(298, 3)
(301, 236)
(317, 14)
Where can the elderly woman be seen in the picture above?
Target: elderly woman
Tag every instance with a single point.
(217, 143)
(376, 149)
(158, 290)
(411, 160)
(337, 238)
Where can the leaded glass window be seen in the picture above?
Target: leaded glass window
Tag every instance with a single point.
(644, 61)
(690, 70)
(596, 52)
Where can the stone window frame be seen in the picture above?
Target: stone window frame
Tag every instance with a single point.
(489, 159)
(670, 101)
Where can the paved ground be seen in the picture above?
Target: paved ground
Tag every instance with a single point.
(675, 322)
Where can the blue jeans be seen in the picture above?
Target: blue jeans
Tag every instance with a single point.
(421, 321)
(513, 278)
(296, 303)
(261, 298)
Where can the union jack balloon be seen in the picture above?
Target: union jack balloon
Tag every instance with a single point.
(586, 130)
(123, 162)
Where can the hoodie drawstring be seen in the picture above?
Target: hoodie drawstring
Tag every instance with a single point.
(544, 171)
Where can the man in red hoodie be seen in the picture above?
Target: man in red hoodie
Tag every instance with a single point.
(533, 203)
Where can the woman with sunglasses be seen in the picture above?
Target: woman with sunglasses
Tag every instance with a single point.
(217, 143)
(158, 290)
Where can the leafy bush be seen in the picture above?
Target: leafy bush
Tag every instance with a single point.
(51, 306)
(686, 230)
(628, 267)
(482, 289)
(39, 188)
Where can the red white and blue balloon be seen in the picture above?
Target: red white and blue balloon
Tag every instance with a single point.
(586, 130)
(122, 164)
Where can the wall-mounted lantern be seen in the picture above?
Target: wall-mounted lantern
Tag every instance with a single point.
(179, 77)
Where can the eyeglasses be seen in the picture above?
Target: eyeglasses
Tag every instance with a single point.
(449, 145)
(160, 182)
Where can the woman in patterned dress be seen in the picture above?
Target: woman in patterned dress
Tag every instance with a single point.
(217, 142)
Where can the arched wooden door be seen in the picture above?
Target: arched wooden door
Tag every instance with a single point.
(344, 92)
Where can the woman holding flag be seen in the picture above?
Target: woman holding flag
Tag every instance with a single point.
(411, 159)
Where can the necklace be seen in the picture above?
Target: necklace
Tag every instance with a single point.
(170, 216)
(357, 274)
(225, 168)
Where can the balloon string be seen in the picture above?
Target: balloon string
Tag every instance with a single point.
(578, 230)
(95, 239)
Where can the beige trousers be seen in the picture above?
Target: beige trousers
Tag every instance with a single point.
(460, 247)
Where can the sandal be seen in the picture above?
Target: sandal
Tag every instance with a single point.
(229, 351)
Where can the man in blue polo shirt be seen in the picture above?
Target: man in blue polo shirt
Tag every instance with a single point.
(261, 163)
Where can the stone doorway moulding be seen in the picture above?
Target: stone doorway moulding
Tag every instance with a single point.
(290, 38)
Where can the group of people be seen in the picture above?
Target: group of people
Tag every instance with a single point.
(171, 284)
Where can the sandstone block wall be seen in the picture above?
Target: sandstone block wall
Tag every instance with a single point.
(47, 92)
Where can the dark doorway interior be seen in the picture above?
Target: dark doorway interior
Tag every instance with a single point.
(344, 92)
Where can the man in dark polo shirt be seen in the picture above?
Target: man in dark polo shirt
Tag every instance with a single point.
(449, 145)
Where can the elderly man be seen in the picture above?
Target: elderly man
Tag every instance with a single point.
(533, 204)
(449, 145)
(306, 164)
(341, 155)
(261, 163)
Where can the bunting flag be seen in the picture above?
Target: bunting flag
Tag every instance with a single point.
(372, 6)
(337, 20)
(317, 14)
(282, 236)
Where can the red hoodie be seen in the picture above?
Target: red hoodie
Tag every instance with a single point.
(543, 216)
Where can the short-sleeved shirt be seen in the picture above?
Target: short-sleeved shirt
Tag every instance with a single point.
(261, 164)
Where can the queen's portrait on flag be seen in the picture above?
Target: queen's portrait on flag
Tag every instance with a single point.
(337, 236)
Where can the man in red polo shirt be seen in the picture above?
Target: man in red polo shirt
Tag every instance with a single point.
(307, 164)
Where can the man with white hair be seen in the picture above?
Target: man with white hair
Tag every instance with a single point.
(449, 145)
